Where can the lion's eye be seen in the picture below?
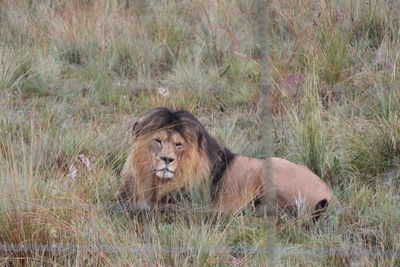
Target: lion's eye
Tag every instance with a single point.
(158, 141)
(178, 144)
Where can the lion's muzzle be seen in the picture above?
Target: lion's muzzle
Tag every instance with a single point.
(165, 171)
(165, 174)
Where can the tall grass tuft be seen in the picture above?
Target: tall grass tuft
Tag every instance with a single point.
(15, 67)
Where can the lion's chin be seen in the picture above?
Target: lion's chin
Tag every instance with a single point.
(164, 174)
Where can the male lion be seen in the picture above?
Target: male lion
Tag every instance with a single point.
(172, 150)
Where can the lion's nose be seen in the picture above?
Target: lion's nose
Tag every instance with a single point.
(167, 160)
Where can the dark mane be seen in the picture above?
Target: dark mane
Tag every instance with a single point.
(186, 123)
(156, 119)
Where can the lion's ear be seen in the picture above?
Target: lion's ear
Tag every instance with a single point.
(135, 129)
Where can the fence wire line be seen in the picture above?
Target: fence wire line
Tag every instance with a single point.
(269, 198)
(282, 251)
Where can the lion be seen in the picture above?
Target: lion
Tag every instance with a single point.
(172, 150)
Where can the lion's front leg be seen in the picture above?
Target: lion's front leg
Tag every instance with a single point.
(133, 192)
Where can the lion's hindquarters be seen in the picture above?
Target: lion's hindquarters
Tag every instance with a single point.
(296, 186)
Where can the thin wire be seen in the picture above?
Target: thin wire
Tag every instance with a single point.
(269, 193)
(283, 251)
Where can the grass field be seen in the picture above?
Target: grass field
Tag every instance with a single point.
(74, 75)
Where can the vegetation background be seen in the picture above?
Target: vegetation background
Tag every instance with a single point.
(74, 75)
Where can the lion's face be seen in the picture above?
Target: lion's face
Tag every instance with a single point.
(170, 150)
(166, 148)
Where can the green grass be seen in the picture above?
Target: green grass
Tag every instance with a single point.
(75, 75)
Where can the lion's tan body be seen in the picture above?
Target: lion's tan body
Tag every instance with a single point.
(172, 150)
(244, 181)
